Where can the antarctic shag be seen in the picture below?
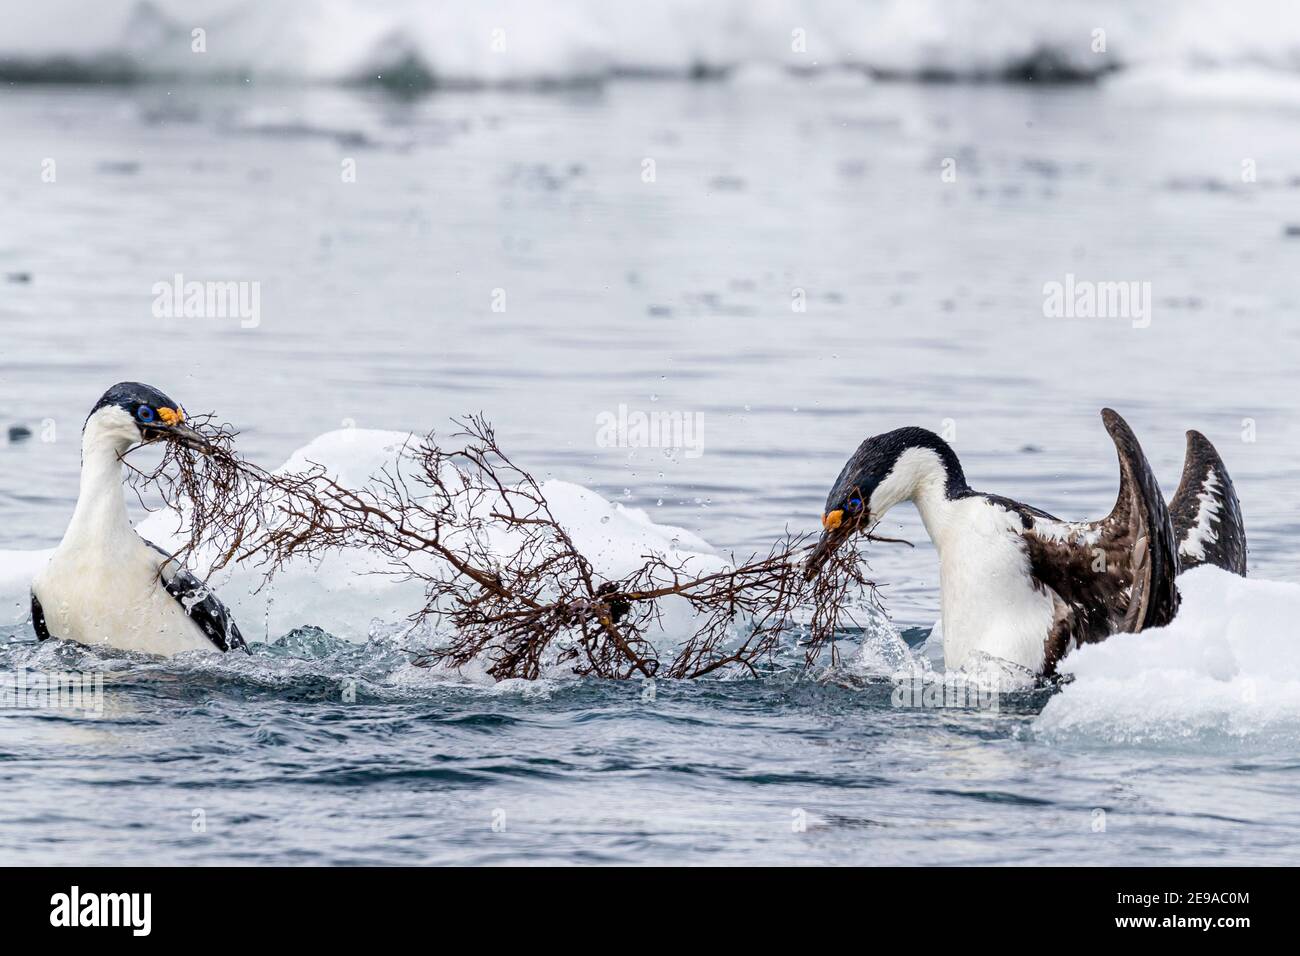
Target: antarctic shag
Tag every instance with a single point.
(105, 584)
(1019, 584)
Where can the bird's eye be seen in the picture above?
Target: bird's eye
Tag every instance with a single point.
(144, 413)
(855, 504)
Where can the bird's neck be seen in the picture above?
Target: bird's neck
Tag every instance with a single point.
(936, 508)
(100, 515)
(931, 481)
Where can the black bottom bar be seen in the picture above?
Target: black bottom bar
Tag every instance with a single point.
(332, 906)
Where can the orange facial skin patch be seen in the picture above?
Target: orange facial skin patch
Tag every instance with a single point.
(171, 416)
(832, 521)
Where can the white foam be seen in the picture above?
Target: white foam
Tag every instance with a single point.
(1227, 668)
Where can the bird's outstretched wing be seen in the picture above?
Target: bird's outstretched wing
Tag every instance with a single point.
(201, 604)
(1208, 527)
(1114, 575)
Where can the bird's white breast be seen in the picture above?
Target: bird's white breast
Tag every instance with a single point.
(110, 593)
(988, 599)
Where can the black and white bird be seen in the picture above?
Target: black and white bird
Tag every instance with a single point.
(105, 584)
(1017, 583)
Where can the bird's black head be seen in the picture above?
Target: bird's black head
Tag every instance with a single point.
(133, 412)
(883, 471)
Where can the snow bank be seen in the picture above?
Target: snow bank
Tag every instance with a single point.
(1228, 669)
(522, 41)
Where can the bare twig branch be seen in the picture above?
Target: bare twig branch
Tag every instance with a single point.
(503, 579)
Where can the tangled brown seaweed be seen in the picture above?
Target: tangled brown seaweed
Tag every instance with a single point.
(503, 579)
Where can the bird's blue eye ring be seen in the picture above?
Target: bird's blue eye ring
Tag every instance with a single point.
(144, 413)
(855, 504)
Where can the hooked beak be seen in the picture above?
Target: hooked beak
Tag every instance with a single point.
(835, 531)
(181, 434)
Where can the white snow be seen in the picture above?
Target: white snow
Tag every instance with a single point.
(1228, 667)
(512, 41)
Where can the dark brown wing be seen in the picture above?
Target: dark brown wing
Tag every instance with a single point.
(1208, 527)
(1114, 575)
